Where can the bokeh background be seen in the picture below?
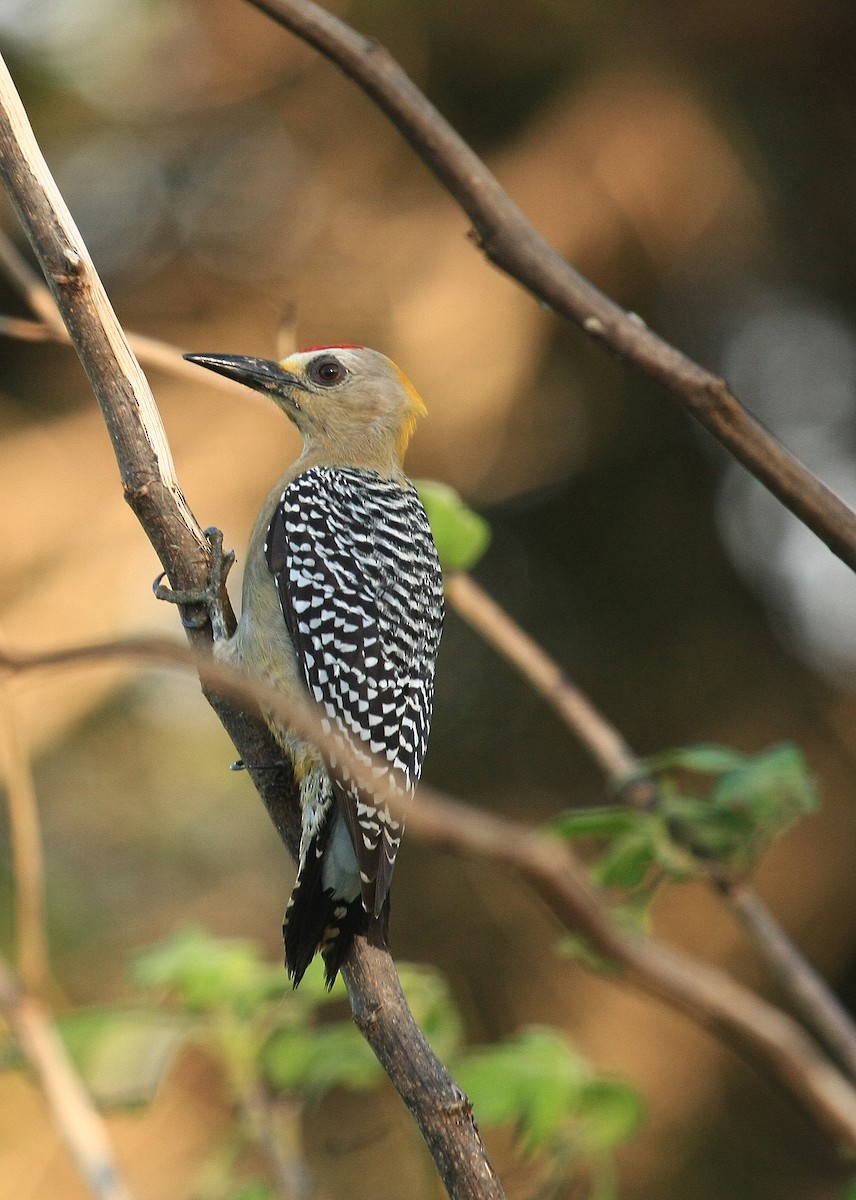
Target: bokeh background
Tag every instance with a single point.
(698, 162)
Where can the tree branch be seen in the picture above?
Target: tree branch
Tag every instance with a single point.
(756, 1029)
(809, 994)
(50, 327)
(151, 488)
(75, 1115)
(602, 740)
(513, 245)
(27, 850)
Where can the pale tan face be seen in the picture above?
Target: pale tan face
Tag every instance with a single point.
(347, 401)
(342, 392)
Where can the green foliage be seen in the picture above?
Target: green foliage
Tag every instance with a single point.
(461, 535)
(433, 1008)
(310, 1061)
(575, 946)
(275, 1042)
(254, 1189)
(122, 1053)
(539, 1082)
(714, 805)
(606, 822)
(206, 973)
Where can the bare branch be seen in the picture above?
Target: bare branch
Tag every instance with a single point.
(31, 286)
(27, 851)
(139, 441)
(811, 997)
(51, 328)
(601, 739)
(513, 245)
(148, 477)
(758, 1031)
(809, 993)
(25, 330)
(75, 1115)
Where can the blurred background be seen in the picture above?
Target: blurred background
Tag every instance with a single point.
(698, 163)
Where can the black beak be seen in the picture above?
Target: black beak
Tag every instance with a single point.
(258, 373)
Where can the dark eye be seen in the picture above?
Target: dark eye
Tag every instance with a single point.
(326, 371)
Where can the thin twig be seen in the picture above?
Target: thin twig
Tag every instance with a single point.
(31, 286)
(512, 244)
(24, 330)
(148, 478)
(27, 853)
(50, 328)
(292, 1179)
(760, 1032)
(141, 447)
(809, 994)
(493, 623)
(74, 1114)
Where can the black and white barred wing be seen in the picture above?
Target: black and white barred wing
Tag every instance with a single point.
(361, 592)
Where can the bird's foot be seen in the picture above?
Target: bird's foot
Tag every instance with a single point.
(240, 765)
(205, 604)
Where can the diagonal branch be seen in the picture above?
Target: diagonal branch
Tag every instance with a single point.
(50, 327)
(28, 862)
(152, 490)
(816, 1004)
(513, 245)
(763, 1035)
(75, 1115)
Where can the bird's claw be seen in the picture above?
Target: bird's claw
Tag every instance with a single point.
(207, 601)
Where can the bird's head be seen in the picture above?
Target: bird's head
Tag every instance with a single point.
(351, 404)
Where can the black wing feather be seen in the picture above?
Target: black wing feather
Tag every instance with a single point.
(361, 593)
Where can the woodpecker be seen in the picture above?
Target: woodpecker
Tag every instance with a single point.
(343, 600)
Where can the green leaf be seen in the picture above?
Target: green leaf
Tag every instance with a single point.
(703, 759)
(122, 1053)
(607, 822)
(610, 1113)
(627, 861)
(777, 784)
(253, 1189)
(535, 1081)
(207, 973)
(733, 815)
(312, 1061)
(461, 535)
(575, 946)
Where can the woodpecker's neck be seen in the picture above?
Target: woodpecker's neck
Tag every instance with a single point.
(362, 450)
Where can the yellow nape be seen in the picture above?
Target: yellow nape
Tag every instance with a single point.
(417, 410)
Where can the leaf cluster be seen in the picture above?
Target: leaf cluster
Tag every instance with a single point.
(223, 994)
(542, 1085)
(712, 806)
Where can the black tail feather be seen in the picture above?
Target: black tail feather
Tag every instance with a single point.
(306, 916)
(316, 920)
(346, 921)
